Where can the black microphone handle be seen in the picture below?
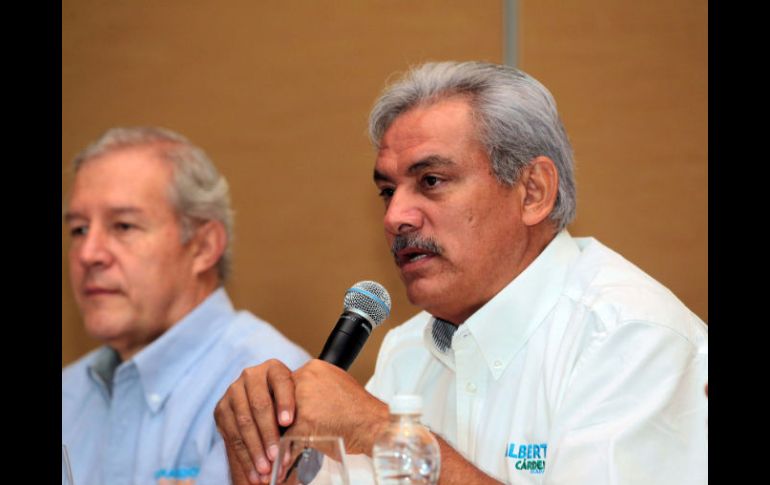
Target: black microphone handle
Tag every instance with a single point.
(346, 340)
(340, 349)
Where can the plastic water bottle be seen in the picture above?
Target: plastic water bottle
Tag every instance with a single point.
(406, 452)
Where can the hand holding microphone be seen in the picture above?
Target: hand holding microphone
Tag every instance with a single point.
(246, 415)
(366, 305)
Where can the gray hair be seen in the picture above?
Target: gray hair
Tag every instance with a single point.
(515, 114)
(198, 191)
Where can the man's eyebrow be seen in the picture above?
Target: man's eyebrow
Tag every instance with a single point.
(430, 161)
(115, 211)
(380, 177)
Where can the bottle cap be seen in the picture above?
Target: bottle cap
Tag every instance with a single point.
(406, 404)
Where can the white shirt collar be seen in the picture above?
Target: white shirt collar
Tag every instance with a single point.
(503, 325)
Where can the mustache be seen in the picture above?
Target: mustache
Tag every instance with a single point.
(415, 241)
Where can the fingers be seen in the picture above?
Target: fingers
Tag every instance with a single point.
(237, 475)
(331, 401)
(279, 405)
(228, 416)
(282, 385)
(246, 417)
(253, 409)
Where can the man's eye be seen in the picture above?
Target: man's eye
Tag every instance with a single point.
(387, 192)
(431, 180)
(78, 231)
(123, 226)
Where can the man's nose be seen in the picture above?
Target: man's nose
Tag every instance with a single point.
(404, 214)
(93, 247)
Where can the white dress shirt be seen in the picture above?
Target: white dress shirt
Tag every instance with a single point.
(583, 370)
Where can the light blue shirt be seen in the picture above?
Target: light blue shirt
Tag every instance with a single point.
(150, 420)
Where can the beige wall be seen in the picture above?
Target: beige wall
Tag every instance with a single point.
(631, 82)
(278, 94)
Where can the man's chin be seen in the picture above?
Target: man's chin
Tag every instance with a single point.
(422, 293)
(103, 328)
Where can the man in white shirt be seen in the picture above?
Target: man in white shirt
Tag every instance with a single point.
(540, 358)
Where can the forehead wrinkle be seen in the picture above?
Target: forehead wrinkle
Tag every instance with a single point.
(113, 211)
(125, 210)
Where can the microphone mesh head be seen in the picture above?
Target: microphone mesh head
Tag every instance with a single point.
(370, 298)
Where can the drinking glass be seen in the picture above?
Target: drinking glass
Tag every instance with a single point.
(317, 460)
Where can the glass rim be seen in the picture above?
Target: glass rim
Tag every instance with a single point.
(313, 439)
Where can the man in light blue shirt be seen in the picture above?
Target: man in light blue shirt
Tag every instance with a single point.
(150, 223)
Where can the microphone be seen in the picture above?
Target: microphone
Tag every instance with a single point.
(366, 305)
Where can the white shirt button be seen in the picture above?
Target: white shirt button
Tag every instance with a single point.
(497, 364)
(470, 387)
(154, 398)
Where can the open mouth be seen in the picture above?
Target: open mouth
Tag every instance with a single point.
(414, 249)
(412, 255)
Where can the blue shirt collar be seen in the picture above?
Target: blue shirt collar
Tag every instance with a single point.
(162, 363)
(102, 367)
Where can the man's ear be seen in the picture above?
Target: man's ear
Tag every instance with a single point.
(209, 244)
(541, 182)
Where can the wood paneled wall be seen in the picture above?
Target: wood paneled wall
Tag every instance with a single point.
(278, 94)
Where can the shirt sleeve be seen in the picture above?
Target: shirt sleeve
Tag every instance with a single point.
(634, 412)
